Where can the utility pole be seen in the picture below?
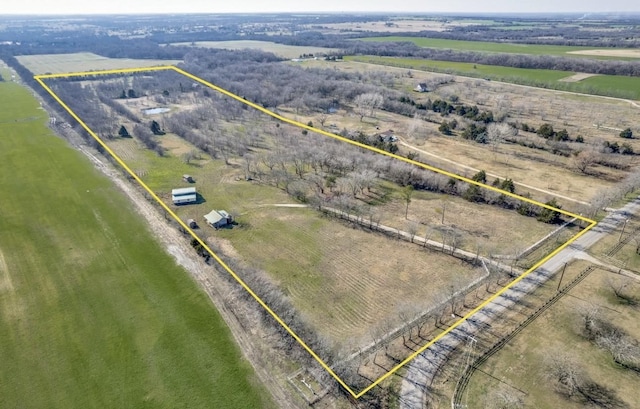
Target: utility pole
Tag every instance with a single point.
(622, 232)
(561, 276)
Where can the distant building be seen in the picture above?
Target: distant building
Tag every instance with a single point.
(218, 218)
(421, 87)
(184, 195)
(388, 136)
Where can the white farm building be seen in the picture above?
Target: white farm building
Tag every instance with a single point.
(184, 195)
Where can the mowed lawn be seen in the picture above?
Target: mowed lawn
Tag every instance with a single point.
(93, 312)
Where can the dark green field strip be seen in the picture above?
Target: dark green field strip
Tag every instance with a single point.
(606, 85)
(93, 312)
(490, 47)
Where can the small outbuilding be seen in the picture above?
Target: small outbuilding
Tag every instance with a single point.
(188, 178)
(218, 218)
(421, 87)
(388, 136)
(192, 224)
(184, 195)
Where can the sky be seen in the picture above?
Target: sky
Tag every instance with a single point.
(258, 6)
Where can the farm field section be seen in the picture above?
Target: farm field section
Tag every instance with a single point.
(512, 48)
(282, 50)
(61, 63)
(618, 85)
(93, 312)
(275, 218)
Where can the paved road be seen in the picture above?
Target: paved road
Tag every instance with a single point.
(421, 371)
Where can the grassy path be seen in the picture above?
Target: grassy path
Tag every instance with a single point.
(93, 312)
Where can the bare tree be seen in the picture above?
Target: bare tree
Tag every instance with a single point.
(407, 193)
(497, 132)
(583, 160)
(322, 118)
(504, 397)
(412, 229)
(564, 372)
(366, 104)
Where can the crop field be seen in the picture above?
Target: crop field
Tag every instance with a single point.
(513, 48)
(607, 85)
(263, 172)
(60, 63)
(93, 312)
(282, 50)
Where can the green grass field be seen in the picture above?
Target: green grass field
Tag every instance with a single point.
(93, 313)
(490, 47)
(607, 85)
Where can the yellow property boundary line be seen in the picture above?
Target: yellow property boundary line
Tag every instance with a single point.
(591, 223)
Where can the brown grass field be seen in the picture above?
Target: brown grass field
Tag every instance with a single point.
(282, 50)
(628, 53)
(520, 368)
(588, 116)
(63, 63)
(345, 281)
(332, 271)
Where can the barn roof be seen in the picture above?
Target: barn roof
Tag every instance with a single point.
(215, 216)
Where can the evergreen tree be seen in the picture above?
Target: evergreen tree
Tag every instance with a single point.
(480, 177)
(548, 215)
(627, 133)
(123, 132)
(156, 129)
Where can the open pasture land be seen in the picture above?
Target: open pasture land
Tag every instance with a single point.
(282, 50)
(403, 25)
(616, 53)
(549, 173)
(524, 368)
(260, 170)
(332, 271)
(511, 48)
(607, 85)
(93, 312)
(76, 62)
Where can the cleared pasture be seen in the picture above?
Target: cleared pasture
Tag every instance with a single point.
(93, 312)
(332, 272)
(305, 252)
(521, 367)
(282, 50)
(75, 62)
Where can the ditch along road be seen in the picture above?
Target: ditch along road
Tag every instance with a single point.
(422, 370)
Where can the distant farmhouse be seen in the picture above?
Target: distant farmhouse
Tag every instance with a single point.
(421, 87)
(218, 218)
(184, 195)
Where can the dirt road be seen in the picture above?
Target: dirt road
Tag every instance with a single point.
(463, 166)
